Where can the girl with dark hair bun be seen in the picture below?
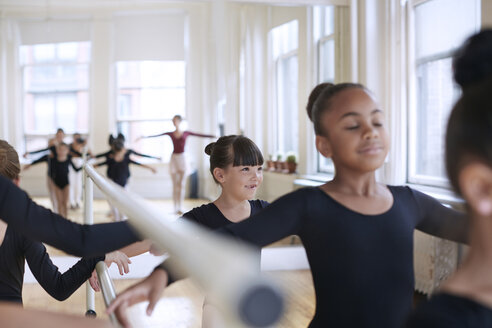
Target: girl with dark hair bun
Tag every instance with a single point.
(358, 233)
(236, 164)
(178, 165)
(465, 299)
(472, 62)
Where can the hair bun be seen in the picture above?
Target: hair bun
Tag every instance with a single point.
(210, 148)
(314, 95)
(473, 61)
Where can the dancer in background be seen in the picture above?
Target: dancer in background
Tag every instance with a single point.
(76, 151)
(52, 143)
(118, 162)
(178, 165)
(58, 162)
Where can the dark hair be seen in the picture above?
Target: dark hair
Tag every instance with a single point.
(235, 150)
(118, 144)
(469, 130)
(472, 62)
(120, 137)
(322, 102)
(60, 130)
(314, 95)
(9, 161)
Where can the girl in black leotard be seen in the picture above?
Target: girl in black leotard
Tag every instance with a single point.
(15, 250)
(465, 299)
(358, 233)
(58, 163)
(236, 165)
(52, 143)
(118, 162)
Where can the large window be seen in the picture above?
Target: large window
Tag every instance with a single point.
(150, 93)
(436, 36)
(55, 90)
(284, 50)
(324, 38)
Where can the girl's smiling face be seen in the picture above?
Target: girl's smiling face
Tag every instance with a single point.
(354, 135)
(241, 181)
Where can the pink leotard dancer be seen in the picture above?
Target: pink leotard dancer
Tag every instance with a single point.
(178, 165)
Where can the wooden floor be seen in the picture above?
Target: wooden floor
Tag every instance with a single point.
(181, 303)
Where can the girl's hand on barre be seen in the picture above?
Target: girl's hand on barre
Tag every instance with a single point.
(120, 259)
(94, 282)
(149, 289)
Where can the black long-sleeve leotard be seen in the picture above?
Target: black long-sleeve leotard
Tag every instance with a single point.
(119, 171)
(15, 250)
(58, 170)
(209, 216)
(38, 223)
(445, 310)
(362, 265)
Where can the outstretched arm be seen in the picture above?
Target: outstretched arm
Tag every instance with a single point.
(38, 223)
(145, 166)
(131, 151)
(201, 135)
(439, 220)
(153, 136)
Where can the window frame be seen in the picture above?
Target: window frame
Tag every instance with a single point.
(278, 111)
(413, 101)
(328, 168)
(54, 93)
(129, 119)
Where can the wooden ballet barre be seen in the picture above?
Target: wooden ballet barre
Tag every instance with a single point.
(227, 270)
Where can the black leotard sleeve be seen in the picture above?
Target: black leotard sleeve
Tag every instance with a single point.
(106, 154)
(59, 286)
(278, 220)
(39, 151)
(439, 220)
(73, 165)
(133, 162)
(42, 159)
(38, 223)
(131, 151)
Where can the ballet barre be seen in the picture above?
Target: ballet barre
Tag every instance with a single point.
(107, 288)
(228, 271)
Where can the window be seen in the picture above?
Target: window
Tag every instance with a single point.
(284, 50)
(150, 93)
(324, 37)
(437, 36)
(55, 90)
